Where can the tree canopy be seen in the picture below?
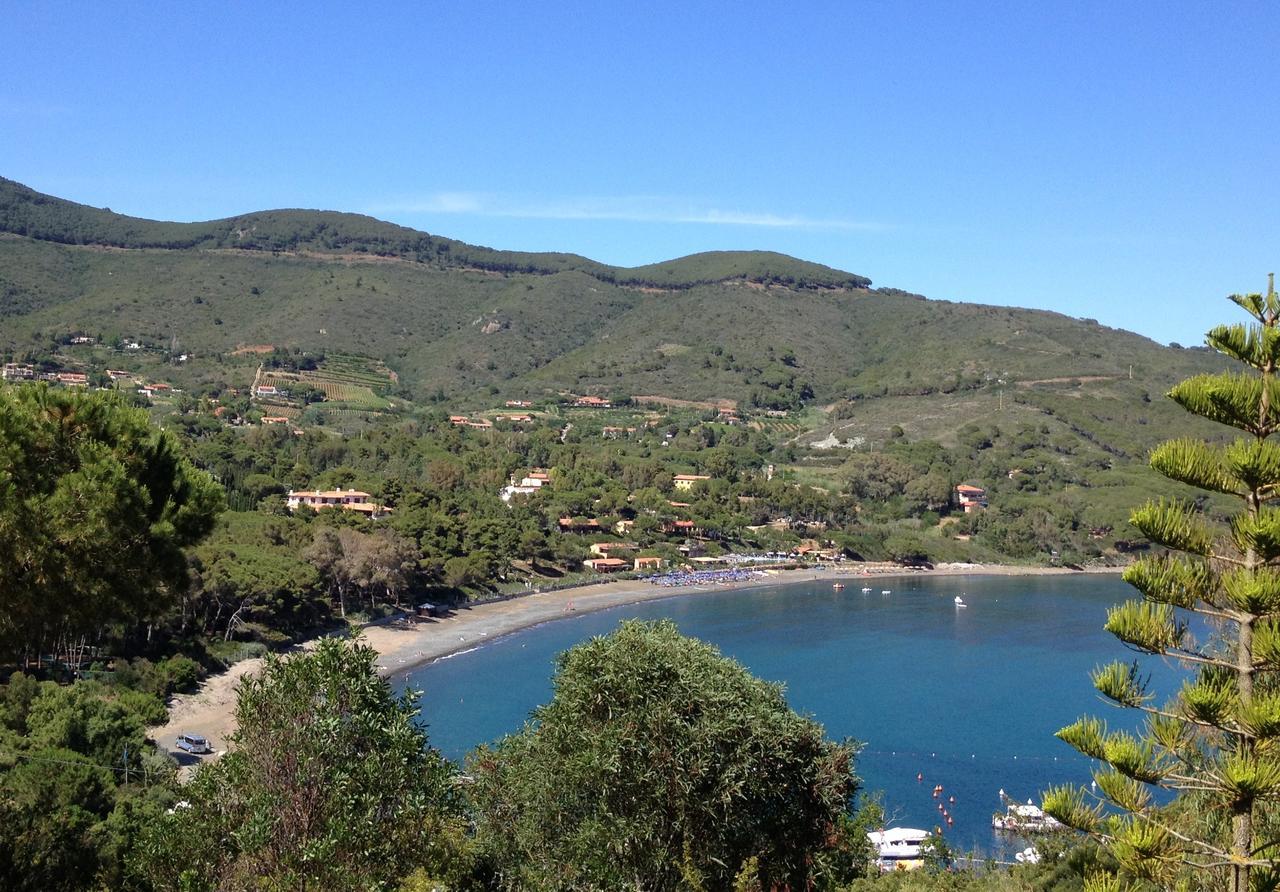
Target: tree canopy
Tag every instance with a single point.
(659, 764)
(96, 507)
(329, 784)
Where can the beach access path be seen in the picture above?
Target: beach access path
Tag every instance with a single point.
(211, 709)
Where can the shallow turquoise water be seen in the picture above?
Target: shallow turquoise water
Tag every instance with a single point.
(970, 698)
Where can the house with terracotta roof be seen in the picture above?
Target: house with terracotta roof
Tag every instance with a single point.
(971, 498)
(592, 402)
(688, 481)
(586, 525)
(612, 549)
(605, 564)
(73, 379)
(648, 563)
(464, 421)
(274, 419)
(528, 485)
(345, 499)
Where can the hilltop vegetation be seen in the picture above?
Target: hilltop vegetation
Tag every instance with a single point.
(458, 320)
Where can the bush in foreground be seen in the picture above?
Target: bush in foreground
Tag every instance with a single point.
(660, 764)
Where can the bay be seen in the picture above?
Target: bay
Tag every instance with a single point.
(966, 697)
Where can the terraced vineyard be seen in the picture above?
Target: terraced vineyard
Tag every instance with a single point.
(351, 385)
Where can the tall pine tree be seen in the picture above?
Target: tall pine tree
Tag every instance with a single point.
(1214, 749)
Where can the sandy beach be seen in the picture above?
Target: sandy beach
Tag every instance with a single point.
(209, 711)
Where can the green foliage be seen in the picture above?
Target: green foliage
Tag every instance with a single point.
(96, 507)
(658, 760)
(329, 783)
(1211, 750)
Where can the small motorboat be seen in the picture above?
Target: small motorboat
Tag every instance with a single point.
(960, 602)
(838, 586)
(866, 589)
(885, 591)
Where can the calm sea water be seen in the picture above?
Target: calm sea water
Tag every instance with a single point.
(967, 697)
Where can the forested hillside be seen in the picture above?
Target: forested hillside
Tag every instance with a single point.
(753, 327)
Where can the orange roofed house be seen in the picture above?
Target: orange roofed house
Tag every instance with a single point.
(346, 499)
(971, 498)
(687, 481)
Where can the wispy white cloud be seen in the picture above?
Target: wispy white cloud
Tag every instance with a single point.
(627, 208)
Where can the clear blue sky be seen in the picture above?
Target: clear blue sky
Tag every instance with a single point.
(1111, 160)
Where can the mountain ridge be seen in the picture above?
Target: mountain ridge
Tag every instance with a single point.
(758, 328)
(28, 213)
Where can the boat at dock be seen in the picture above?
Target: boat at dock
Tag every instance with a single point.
(899, 848)
(1018, 818)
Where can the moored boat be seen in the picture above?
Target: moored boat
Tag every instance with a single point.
(1029, 818)
(899, 848)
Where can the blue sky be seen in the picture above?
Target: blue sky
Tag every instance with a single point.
(1111, 160)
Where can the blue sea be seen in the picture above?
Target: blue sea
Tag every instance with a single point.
(968, 698)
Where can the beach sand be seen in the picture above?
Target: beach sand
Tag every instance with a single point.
(210, 711)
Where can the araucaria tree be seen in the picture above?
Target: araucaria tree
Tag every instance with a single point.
(1190, 800)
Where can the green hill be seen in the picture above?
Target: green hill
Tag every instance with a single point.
(756, 327)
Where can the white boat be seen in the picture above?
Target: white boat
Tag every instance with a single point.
(1029, 818)
(899, 848)
(866, 589)
(885, 591)
(960, 602)
(1029, 855)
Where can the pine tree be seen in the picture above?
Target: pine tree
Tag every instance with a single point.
(1215, 748)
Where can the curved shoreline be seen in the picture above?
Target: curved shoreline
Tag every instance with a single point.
(210, 711)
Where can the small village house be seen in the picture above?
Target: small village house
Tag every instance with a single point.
(970, 498)
(586, 525)
(612, 549)
(528, 484)
(605, 564)
(592, 402)
(345, 499)
(687, 482)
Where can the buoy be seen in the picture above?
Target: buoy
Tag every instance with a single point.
(920, 777)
